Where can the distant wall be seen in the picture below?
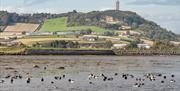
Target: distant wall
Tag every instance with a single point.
(69, 52)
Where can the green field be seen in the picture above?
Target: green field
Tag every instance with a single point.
(60, 25)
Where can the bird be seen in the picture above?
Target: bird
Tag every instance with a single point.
(60, 78)
(64, 76)
(12, 80)
(56, 77)
(45, 68)
(172, 76)
(165, 77)
(52, 82)
(2, 81)
(105, 78)
(90, 82)
(28, 80)
(116, 74)
(172, 80)
(20, 77)
(110, 79)
(8, 76)
(42, 79)
(71, 81)
(162, 81)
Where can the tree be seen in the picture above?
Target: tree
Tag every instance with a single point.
(108, 33)
(108, 44)
(85, 32)
(74, 11)
(71, 44)
(134, 43)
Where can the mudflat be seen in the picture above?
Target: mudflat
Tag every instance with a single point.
(90, 73)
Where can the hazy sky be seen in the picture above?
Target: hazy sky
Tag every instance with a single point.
(164, 12)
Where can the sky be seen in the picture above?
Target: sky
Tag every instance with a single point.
(164, 12)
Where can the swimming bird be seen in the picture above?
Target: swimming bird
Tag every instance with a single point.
(162, 81)
(42, 79)
(20, 77)
(116, 74)
(105, 78)
(12, 80)
(172, 80)
(71, 81)
(64, 76)
(8, 76)
(90, 82)
(2, 81)
(164, 77)
(110, 79)
(52, 82)
(28, 80)
(56, 77)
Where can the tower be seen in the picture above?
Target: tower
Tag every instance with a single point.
(117, 5)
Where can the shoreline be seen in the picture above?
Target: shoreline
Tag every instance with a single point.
(92, 52)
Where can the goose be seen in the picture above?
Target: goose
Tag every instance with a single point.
(137, 85)
(12, 80)
(110, 79)
(172, 80)
(71, 81)
(60, 78)
(52, 82)
(20, 77)
(42, 79)
(90, 83)
(45, 68)
(91, 76)
(28, 80)
(56, 77)
(162, 81)
(2, 81)
(105, 78)
(164, 77)
(64, 76)
(116, 74)
(8, 76)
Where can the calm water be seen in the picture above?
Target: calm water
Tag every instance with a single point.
(78, 69)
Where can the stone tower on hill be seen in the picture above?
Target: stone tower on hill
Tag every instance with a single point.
(117, 5)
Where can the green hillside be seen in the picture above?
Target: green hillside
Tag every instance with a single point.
(60, 25)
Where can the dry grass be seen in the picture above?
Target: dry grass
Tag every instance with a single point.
(21, 27)
(35, 40)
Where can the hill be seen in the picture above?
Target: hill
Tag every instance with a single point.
(98, 21)
(112, 19)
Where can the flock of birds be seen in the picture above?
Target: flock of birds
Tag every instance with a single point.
(139, 81)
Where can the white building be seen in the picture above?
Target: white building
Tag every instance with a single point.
(119, 45)
(145, 46)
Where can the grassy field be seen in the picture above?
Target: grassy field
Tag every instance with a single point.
(30, 41)
(11, 50)
(60, 25)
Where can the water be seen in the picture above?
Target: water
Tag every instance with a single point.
(78, 69)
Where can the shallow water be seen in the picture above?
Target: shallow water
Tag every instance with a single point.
(78, 69)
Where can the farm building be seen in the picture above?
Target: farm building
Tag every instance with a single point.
(119, 45)
(39, 33)
(145, 46)
(90, 37)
